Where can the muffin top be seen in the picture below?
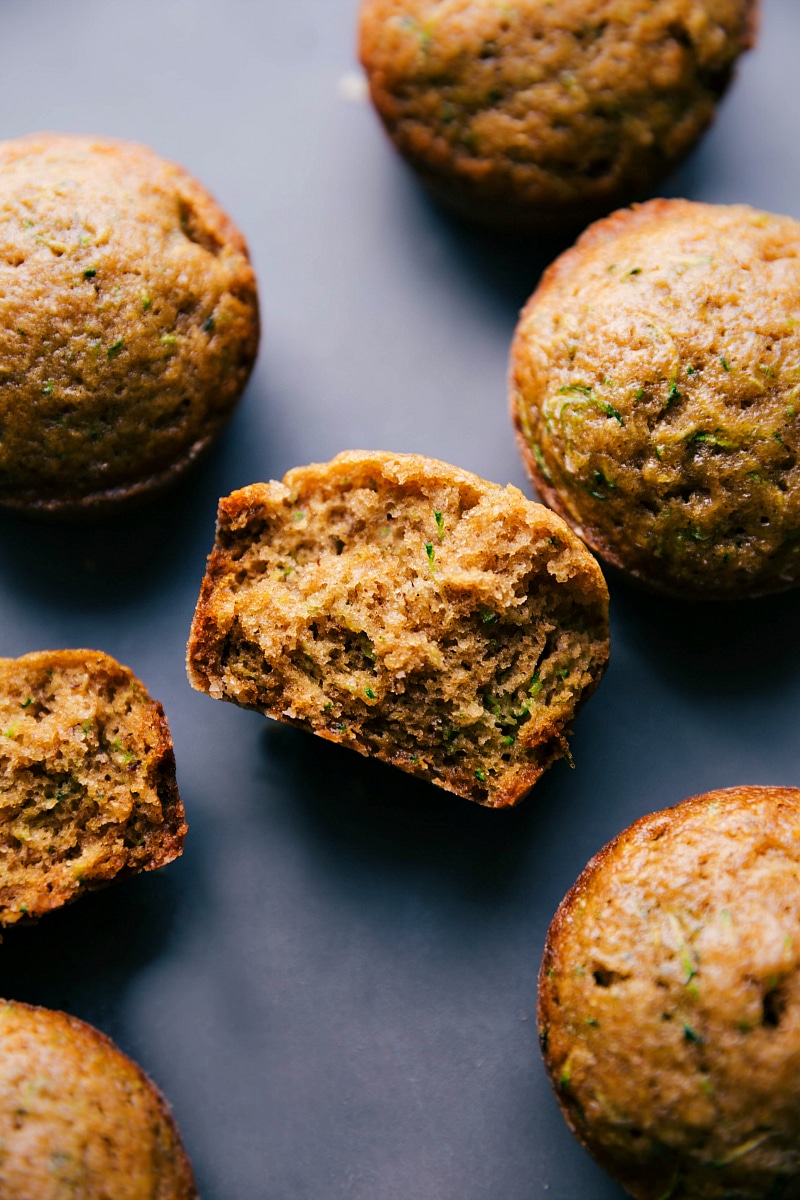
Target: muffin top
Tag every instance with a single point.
(128, 320)
(79, 1118)
(518, 111)
(655, 382)
(669, 1003)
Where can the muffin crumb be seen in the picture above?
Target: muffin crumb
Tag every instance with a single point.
(409, 610)
(87, 780)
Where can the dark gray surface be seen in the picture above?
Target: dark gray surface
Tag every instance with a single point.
(336, 985)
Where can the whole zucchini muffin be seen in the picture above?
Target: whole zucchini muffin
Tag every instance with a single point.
(655, 385)
(408, 610)
(87, 780)
(80, 1119)
(128, 321)
(669, 1000)
(529, 112)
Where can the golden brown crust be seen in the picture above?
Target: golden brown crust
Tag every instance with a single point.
(669, 1000)
(79, 1118)
(409, 610)
(128, 321)
(87, 780)
(532, 114)
(654, 388)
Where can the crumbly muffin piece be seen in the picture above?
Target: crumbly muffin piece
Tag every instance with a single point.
(656, 389)
(80, 1119)
(87, 780)
(409, 610)
(128, 321)
(530, 112)
(669, 1000)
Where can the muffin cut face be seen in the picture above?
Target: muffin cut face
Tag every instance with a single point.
(128, 321)
(409, 610)
(655, 385)
(87, 780)
(531, 111)
(669, 1000)
(79, 1118)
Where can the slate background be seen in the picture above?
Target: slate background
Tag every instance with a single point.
(335, 986)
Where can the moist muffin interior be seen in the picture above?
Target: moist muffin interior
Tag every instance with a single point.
(86, 780)
(425, 623)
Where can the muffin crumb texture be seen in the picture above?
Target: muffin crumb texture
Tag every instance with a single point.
(128, 321)
(655, 384)
(79, 1118)
(87, 780)
(409, 610)
(669, 1000)
(530, 111)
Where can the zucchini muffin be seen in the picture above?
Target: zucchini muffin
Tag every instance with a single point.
(80, 1119)
(409, 610)
(669, 1000)
(655, 385)
(531, 113)
(128, 321)
(87, 780)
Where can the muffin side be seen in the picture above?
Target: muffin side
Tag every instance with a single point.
(128, 321)
(87, 780)
(669, 1000)
(409, 610)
